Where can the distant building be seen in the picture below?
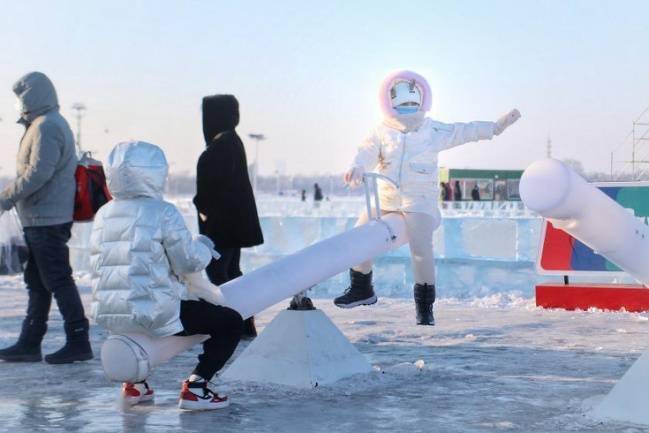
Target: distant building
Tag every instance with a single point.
(493, 185)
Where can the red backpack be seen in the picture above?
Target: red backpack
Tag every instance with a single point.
(92, 190)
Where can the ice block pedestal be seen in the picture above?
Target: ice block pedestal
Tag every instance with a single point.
(303, 349)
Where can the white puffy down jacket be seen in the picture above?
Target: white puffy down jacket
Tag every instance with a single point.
(139, 246)
(410, 159)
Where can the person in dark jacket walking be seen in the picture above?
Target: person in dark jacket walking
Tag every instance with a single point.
(475, 193)
(457, 191)
(317, 195)
(224, 197)
(43, 194)
(445, 192)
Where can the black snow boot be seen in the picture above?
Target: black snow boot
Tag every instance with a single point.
(360, 291)
(301, 303)
(77, 345)
(28, 346)
(249, 329)
(424, 299)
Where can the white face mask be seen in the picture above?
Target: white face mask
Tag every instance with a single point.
(19, 106)
(407, 109)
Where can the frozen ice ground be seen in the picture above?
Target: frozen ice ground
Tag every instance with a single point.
(493, 364)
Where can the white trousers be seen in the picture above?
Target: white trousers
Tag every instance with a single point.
(420, 227)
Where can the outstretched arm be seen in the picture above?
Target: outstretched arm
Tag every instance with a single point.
(474, 131)
(506, 121)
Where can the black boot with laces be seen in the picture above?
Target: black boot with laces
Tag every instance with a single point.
(195, 395)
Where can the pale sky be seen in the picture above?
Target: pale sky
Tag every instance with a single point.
(306, 73)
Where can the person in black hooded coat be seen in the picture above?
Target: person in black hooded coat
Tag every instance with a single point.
(224, 197)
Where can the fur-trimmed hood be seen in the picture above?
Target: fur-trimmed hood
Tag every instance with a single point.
(403, 75)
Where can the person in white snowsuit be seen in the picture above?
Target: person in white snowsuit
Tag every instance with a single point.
(404, 147)
(141, 254)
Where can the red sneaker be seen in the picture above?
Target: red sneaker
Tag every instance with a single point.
(134, 393)
(197, 396)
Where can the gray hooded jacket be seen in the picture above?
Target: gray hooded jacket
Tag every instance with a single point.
(44, 188)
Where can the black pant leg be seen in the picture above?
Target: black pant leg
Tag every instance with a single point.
(218, 270)
(48, 245)
(234, 268)
(38, 303)
(234, 271)
(222, 324)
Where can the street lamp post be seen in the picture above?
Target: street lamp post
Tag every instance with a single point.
(257, 138)
(80, 110)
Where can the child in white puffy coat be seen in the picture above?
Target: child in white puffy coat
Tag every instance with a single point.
(141, 254)
(404, 147)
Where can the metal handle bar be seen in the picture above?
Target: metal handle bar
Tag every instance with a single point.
(370, 182)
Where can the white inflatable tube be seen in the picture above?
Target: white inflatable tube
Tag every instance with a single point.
(570, 203)
(130, 358)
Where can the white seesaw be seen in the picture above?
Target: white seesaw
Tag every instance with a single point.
(298, 348)
(570, 203)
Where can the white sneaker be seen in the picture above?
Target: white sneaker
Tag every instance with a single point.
(195, 395)
(134, 393)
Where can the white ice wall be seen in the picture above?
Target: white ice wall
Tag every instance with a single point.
(476, 255)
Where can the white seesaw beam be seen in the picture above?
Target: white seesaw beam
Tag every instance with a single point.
(264, 287)
(579, 208)
(571, 204)
(130, 358)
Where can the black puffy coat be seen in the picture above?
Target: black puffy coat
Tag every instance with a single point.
(223, 190)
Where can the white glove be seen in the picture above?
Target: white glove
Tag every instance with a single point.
(506, 121)
(354, 177)
(201, 287)
(209, 244)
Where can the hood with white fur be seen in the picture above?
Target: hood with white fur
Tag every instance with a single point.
(385, 91)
